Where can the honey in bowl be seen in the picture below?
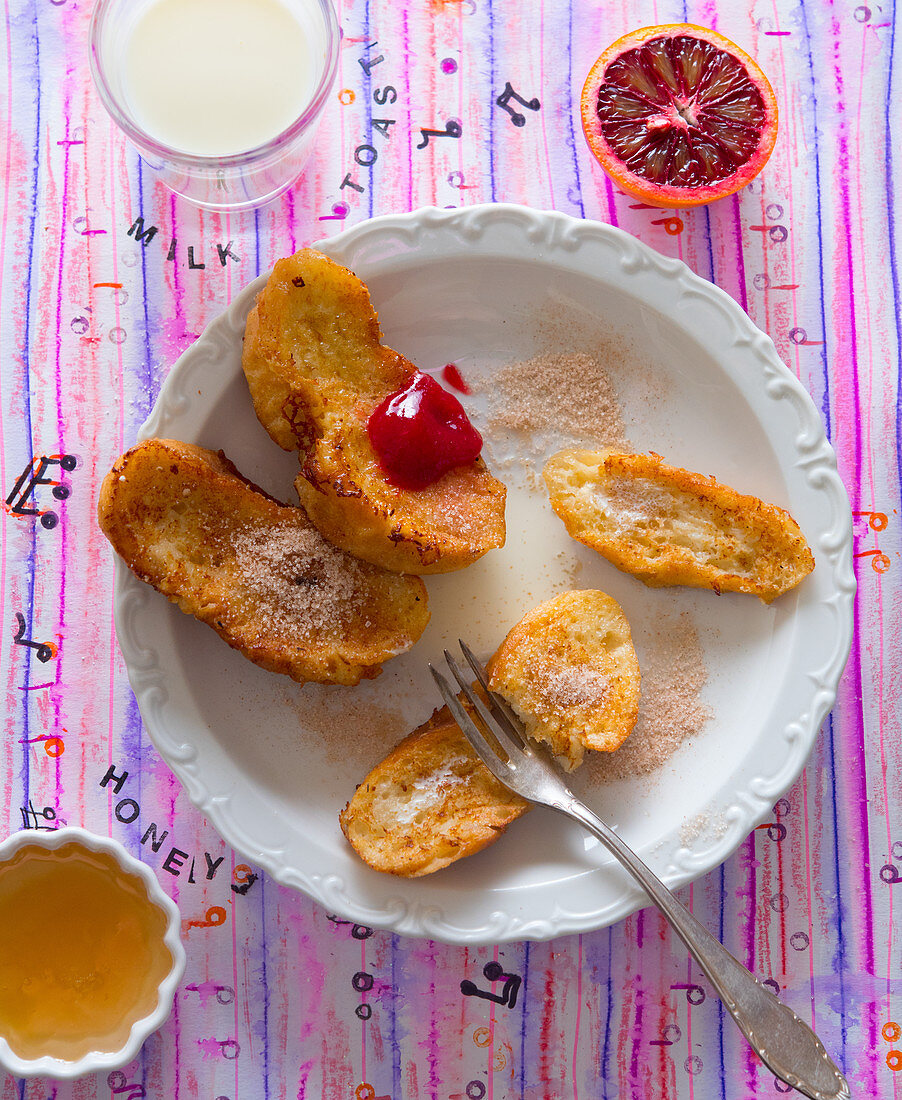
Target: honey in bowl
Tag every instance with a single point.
(81, 951)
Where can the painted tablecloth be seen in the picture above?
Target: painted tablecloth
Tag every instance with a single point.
(105, 278)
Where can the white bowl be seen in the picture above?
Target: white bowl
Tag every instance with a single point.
(97, 1061)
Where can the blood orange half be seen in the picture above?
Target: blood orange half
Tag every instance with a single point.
(678, 115)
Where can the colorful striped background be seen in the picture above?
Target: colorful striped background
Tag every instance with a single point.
(90, 322)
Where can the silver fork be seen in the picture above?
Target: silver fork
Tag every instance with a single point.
(785, 1043)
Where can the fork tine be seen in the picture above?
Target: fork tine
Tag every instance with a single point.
(513, 746)
(500, 707)
(478, 667)
(470, 730)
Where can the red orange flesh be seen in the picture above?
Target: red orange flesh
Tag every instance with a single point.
(678, 115)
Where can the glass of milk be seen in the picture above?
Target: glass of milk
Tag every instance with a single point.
(220, 97)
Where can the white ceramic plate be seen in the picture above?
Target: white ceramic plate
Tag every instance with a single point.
(270, 763)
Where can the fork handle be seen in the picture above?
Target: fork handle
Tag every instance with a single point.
(785, 1043)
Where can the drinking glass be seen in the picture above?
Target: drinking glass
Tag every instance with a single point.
(238, 180)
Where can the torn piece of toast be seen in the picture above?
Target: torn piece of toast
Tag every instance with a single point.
(317, 370)
(569, 668)
(258, 572)
(667, 526)
(429, 803)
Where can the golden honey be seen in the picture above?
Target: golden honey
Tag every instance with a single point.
(81, 952)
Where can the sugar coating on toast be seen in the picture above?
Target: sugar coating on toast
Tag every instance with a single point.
(570, 671)
(258, 572)
(317, 369)
(430, 802)
(669, 526)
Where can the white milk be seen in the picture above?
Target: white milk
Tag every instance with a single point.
(215, 77)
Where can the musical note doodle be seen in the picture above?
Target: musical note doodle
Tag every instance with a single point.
(776, 830)
(877, 521)
(53, 746)
(672, 226)
(365, 1091)
(456, 179)
(891, 1033)
(340, 211)
(119, 1086)
(670, 1035)
(44, 651)
(762, 282)
(33, 476)
(363, 983)
(695, 995)
(494, 972)
(224, 994)
(30, 814)
(358, 931)
(453, 129)
(800, 337)
(244, 877)
(879, 561)
(509, 94)
(777, 233)
(482, 1036)
(226, 1048)
(213, 918)
(500, 1059)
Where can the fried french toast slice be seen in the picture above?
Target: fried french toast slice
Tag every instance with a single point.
(569, 669)
(670, 526)
(259, 573)
(429, 803)
(317, 370)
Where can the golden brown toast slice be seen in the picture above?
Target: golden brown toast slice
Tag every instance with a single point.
(259, 573)
(666, 525)
(569, 668)
(429, 803)
(317, 369)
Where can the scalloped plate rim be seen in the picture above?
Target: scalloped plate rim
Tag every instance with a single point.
(744, 810)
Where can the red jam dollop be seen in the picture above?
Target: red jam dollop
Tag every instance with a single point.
(421, 431)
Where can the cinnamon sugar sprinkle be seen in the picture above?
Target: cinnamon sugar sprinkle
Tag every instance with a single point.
(671, 710)
(307, 586)
(568, 394)
(569, 686)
